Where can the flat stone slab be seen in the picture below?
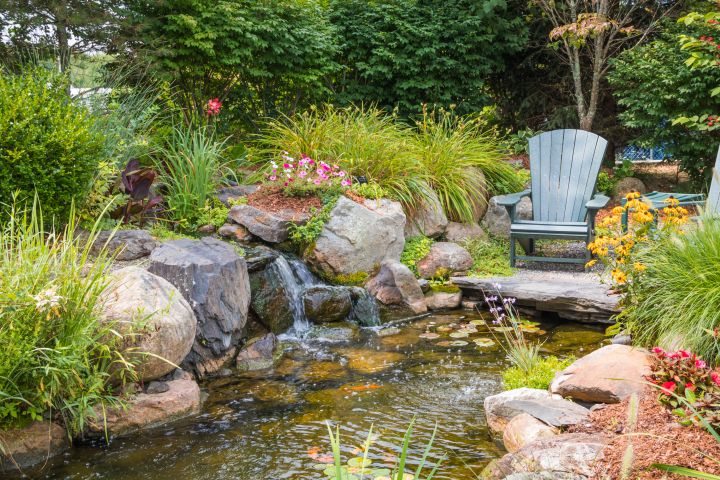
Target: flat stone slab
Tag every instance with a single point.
(573, 296)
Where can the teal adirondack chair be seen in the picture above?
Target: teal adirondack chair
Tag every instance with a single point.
(564, 166)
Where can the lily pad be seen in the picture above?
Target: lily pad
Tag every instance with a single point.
(444, 343)
(484, 342)
(503, 329)
(458, 343)
(429, 335)
(477, 322)
(459, 334)
(444, 328)
(358, 462)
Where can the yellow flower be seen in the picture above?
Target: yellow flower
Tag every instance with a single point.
(591, 263)
(618, 210)
(618, 276)
(633, 195)
(672, 201)
(639, 267)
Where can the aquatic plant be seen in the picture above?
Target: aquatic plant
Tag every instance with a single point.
(522, 354)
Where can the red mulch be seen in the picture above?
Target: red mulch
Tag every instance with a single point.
(272, 199)
(354, 197)
(657, 438)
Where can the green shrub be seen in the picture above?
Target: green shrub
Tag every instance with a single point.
(305, 235)
(540, 376)
(191, 164)
(416, 248)
(678, 299)
(606, 184)
(214, 213)
(48, 144)
(462, 163)
(491, 257)
(56, 353)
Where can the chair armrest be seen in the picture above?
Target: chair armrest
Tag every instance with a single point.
(597, 202)
(510, 201)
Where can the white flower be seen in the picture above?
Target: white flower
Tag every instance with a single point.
(47, 300)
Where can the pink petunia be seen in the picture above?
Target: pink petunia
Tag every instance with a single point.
(302, 174)
(273, 178)
(346, 182)
(700, 363)
(715, 377)
(317, 181)
(658, 351)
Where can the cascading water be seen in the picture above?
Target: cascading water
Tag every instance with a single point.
(365, 310)
(294, 290)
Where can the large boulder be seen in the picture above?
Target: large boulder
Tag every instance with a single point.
(498, 414)
(358, 237)
(213, 278)
(627, 185)
(158, 324)
(326, 304)
(440, 300)
(269, 226)
(428, 219)
(275, 292)
(524, 429)
(180, 399)
(570, 455)
(259, 353)
(608, 375)
(462, 232)
(395, 284)
(497, 220)
(25, 447)
(444, 258)
(125, 244)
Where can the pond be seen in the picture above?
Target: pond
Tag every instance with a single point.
(272, 425)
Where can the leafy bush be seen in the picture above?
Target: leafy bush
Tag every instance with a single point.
(517, 143)
(462, 163)
(540, 375)
(490, 257)
(606, 184)
(214, 213)
(416, 248)
(678, 299)
(56, 353)
(191, 164)
(48, 144)
(369, 190)
(305, 235)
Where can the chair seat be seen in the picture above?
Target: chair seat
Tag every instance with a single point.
(540, 229)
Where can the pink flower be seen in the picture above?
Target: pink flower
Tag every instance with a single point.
(715, 377)
(319, 171)
(317, 181)
(213, 107)
(341, 173)
(273, 178)
(302, 174)
(700, 363)
(287, 165)
(690, 386)
(346, 183)
(658, 351)
(668, 387)
(311, 161)
(326, 167)
(684, 353)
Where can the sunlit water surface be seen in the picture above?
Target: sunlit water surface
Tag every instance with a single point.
(272, 425)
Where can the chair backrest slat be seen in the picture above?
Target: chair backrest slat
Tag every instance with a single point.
(713, 199)
(564, 165)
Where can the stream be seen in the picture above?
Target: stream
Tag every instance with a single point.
(272, 425)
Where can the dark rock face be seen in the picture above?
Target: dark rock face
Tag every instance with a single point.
(214, 279)
(259, 353)
(32, 445)
(129, 244)
(324, 304)
(274, 293)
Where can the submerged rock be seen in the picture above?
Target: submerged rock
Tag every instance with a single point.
(213, 278)
(157, 322)
(608, 375)
(395, 284)
(145, 410)
(357, 238)
(333, 332)
(316, 372)
(326, 304)
(444, 259)
(364, 360)
(259, 353)
(26, 447)
(428, 219)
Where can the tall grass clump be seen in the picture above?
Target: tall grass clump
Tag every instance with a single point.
(678, 299)
(463, 163)
(363, 141)
(56, 355)
(192, 164)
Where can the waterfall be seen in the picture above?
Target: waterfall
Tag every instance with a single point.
(365, 310)
(294, 289)
(302, 272)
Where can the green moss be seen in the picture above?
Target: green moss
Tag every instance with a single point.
(351, 279)
(161, 232)
(416, 248)
(444, 287)
(539, 377)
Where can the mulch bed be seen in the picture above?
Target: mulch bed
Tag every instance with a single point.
(273, 200)
(657, 438)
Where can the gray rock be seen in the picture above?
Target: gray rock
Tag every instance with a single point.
(271, 227)
(462, 232)
(126, 244)
(259, 353)
(234, 231)
(437, 300)
(444, 258)
(395, 284)
(498, 414)
(258, 258)
(357, 238)
(570, 455)
(25, 447)
(553, 411)
(524, 429)
(158, 324)
(428, 219)
(213, 278)
(326, 304)
(621, 339)
(365, 310)
(274, 290)
(424, 285)
(228, 194)
(157, 387)
(497, 221)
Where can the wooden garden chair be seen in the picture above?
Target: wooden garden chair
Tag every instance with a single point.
(564, 166)
(657, 200)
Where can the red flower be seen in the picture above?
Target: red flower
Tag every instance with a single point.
(690, 386)
(668, 387)
(658, 351)
(715, 377)
(213, 107)
(700, 363)
(684, 353)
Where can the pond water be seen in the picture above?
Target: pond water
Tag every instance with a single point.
(272, 426)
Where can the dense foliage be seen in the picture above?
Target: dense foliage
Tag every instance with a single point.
(404, 53)
(653, 85)
(540, 375)
(416, 248)
(48, 144)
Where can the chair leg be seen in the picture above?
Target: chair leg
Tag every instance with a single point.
(512, 251)
(531, 246)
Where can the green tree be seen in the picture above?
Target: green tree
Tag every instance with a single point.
(67, 27)
(403, 53)
(653, 85)
(260, 57)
